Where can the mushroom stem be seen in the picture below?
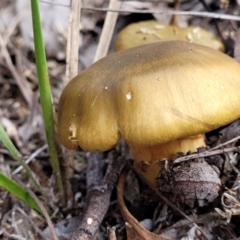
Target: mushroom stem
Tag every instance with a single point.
(145, 157)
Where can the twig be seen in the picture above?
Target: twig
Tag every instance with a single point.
(32, 156)
(66, 160)
(98, 200)
(13, 24)
(187, 223)
(169, 12)
(225, 143)
(23, 85)
(206, 154)
(214, 20)
(212, 151)
(178, 210)
(54, 3)
(107, 31)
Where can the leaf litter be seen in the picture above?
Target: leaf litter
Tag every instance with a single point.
(21, 117)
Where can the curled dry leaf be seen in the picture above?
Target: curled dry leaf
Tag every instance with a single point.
(193, 181)
(135, 231)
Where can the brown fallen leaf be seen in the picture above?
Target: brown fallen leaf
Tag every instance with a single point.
(135, 231)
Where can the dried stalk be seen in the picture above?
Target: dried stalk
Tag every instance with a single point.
(73, 40)
(107, 32)
(67, 156)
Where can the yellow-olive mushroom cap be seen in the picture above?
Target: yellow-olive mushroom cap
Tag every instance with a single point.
(146, 32)
(149, 95)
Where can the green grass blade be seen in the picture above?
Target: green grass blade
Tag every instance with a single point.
(18, 191)
(45, 94)
(17, 155)
(8, 144)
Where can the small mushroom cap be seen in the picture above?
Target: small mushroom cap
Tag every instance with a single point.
(146, 32)
(149, 95)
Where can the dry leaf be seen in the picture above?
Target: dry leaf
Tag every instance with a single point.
(135, 231)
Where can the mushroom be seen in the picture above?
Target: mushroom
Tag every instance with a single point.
(146, 32)
(161, 98)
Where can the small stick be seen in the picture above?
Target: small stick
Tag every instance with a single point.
(23, 85)
(98, 200)
(225, 143)
(107, 31)
(207, 153)
(169, 12)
